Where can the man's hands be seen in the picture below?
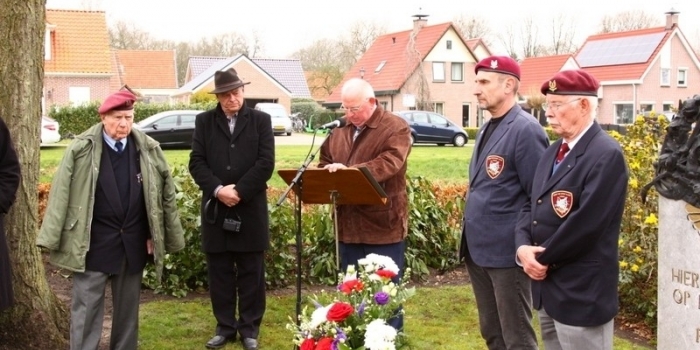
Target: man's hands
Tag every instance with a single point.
(149, 246)
(526, 255)
(334, 167)
(228, 195)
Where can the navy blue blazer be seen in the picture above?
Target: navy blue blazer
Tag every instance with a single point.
(500, 180)
(575, 214)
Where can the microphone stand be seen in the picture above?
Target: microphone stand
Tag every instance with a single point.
(298, 183)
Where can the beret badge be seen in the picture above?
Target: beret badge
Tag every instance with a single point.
(552, 85)
(494, 64)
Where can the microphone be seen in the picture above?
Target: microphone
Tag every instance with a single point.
(338, 123)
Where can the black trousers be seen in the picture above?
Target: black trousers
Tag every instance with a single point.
(237, 291)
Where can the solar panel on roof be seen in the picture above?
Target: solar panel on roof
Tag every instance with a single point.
(626, 50)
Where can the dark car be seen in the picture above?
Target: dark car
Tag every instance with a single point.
(431, 127)
(173, 129)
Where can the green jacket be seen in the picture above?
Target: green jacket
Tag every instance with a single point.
(65, 231)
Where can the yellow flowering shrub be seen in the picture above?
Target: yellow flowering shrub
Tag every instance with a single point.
(638, 236)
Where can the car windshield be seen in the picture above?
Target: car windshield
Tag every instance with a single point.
(276, 113)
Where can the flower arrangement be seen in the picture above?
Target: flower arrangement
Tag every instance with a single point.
(354, 317)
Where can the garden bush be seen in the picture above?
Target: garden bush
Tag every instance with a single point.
(639, 232)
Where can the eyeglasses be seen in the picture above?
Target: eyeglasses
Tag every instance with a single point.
(353, 109)
(555, 106)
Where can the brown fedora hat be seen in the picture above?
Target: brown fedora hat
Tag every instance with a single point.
(226, 80)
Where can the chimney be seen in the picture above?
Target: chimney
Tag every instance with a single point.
(419, 22)
(671, 19)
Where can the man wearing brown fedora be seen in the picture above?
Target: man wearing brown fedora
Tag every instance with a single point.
(233, 156)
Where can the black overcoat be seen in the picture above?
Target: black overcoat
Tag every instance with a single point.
(9, 181)
(246, 159)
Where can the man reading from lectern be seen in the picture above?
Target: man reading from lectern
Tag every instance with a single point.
(379, 141)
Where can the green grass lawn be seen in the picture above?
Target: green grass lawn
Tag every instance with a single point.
(436, 318)
(444, 164)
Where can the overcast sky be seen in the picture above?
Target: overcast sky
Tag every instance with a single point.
(286, 26)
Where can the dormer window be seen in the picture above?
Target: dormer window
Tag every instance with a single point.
(380, 66)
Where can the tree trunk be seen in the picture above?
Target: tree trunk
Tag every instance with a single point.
(38, 320)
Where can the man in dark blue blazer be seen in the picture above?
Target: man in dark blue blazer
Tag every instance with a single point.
(506, 152)
(569, 245)
(233, 156)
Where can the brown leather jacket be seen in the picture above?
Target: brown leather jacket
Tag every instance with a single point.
(382, 147)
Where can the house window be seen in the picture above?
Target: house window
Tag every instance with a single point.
(439, 71)
(457, 71)
(438, 107)
(449, 44)
(384, 105)
(665, 77)
(380, 66)
(645, 107)
(79, 95)
(682, 76)
(624, 113)
(668, 107)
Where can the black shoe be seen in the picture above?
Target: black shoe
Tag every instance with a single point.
(218, 342)
(250, 343)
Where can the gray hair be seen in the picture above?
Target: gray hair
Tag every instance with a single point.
(357, 87)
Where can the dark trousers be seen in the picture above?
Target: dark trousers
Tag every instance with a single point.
(504, 300)
(237, 282)
(351, 253)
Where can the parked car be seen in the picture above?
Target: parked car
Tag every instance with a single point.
(281, 123)
(173, 129)
(431, 127)
(49, 131)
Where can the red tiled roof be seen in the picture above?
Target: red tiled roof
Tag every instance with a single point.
(625, 71)
(148, 69)
(399, 63)
(535, 70)
(79, 42)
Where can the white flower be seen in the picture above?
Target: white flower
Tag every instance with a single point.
(390, 289)
(381, 262)
(319, 317)
(380, 336)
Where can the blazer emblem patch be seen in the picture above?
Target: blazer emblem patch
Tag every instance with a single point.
(562, 201)
(494, 166)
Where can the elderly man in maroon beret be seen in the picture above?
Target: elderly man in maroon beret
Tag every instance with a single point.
(568, 243)
(502, 166)
(111, 209)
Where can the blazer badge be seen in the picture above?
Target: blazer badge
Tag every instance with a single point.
(562, 201)
(552, 85)
(494, 166)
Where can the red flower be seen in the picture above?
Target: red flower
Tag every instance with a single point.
(339, 312)
(388, 274)
(308, 344)
(351, 286)
(324, 344)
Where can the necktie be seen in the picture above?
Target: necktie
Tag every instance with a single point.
(119, 146)
(357, 133)
(562, 152)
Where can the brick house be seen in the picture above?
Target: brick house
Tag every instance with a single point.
(263, 87)
(641, 70)
(272, 80)
(77, 58)
(479, 48)
(151, 73)
(426, 68)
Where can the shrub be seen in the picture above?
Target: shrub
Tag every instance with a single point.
(471, 132)
(638, 236)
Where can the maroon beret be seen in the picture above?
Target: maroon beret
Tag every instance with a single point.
(119, 101)
(571, 82)
(499, 64)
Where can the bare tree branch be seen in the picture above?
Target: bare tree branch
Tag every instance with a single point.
(626, 21)
(472, 27)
